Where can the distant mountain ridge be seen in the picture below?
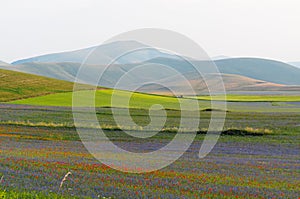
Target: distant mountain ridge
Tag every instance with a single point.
(72, 56)
(3, 63)
(256, 68)
(105, 53)
(262, 69)
(233, 82)
(297, 64)
(220, 57)
(237, 73)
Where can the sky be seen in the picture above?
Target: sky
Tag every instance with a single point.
(234, 28)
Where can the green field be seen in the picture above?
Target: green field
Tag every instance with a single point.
(103, 99)
(253, 98)
(16, 85)
(145, 101)
(18, 194)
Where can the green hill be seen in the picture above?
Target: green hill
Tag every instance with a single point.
(17, 85)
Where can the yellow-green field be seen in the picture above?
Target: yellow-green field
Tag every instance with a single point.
(253, 98)
(103, 99)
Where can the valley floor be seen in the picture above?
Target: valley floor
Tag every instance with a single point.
(39, 145)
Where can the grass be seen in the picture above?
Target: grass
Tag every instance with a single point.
(57, 124)
(253, 98)
(103, 99)
(111, 127)
(63, 131)
(18, 194)
(17, 85)
(145, 101)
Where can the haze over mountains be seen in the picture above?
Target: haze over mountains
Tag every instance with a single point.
(297, 64)
(239, 74)
(105, 53)
(220, 57)
(3, 63)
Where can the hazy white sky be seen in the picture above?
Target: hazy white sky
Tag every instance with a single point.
(256, 28)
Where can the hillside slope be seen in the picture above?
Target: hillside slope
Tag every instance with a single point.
(262, 69)
(239, 74)
(231, 83)
(3, 63)
(297, 64)
(255, 68)
(16, 85)
(65, 65)
(62, 71)
(104, 52)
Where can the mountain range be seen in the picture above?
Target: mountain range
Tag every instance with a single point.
(3, 63)
(104, 52)
(239, 74)
(297, 64)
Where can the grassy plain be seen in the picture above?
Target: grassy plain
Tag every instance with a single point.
(253, 98)
(103, 99)
(145, 101)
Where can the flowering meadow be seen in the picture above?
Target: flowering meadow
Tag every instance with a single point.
(231, 171)
(34, 162)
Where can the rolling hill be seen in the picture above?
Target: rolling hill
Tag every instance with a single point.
(256, 68)
(26, 89)
(297, 64)
(16, 85)
(3, 63)
(62, 71)
(22, 88)
(104, 53)
(239, 74)
(262, 69)
(231, 83)
(219, 57)
(236, 78)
